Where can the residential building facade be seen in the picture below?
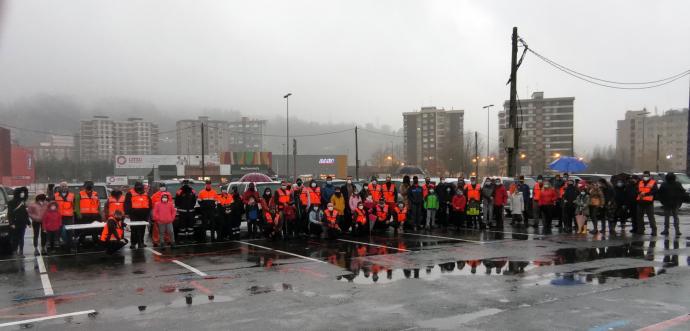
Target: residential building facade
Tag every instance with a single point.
(220, 136)
(547, 132)
(429, 135)
(637, 135)
(101, 138)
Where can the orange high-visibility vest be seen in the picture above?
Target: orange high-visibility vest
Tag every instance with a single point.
(206, 195)
(283, 196)
(389, 193)
(314, 195)
(360, 217)
(473, 192)
(331, 216)
(139, 201)
(303, 196)
(375, 191)
(382, 213)
(105, 233)
(116, 204)
(402, 214)
(224, 199)
(88, 205)
(645, 189)
(536, 195)
(66, 205)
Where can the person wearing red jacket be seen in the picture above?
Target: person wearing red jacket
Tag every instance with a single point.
(457, 208)
(500, 200)
(164, 214)
(547, 203)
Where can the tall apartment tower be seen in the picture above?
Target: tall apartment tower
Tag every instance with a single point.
(429, 133)
(547, 132)
(101, 138)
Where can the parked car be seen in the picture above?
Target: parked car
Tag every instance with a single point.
(594, 177)
(5, 247)
(172, 185)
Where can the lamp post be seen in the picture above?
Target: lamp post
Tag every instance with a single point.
(488, 128)
(287, 134)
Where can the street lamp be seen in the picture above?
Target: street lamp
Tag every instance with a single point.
(523, 156)
(557, 155)
(488, 128)
(287, 134)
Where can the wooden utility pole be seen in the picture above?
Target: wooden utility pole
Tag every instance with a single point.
(356, 154)
(512, 135)
(658, 137)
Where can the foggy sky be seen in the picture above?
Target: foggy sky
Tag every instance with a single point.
(346, 61)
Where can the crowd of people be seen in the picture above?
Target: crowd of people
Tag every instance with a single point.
(329, 211)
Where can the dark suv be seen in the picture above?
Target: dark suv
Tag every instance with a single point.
(4, 223)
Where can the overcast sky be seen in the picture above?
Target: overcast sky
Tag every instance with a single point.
(363, 61)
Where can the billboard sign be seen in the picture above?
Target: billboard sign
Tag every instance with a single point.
(116, 180)
(153, 161)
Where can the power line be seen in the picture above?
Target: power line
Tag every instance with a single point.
(36, 131)
(601, 82)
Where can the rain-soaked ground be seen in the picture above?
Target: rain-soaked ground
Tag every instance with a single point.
(512, 279)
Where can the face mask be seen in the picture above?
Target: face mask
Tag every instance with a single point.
(473, 182)
(400, 206)
(330, 208)
(431, 191)
(373, 182)
(329, 182)
(619, 184)
(283, 187)
(163, 189)
(370, 199)
(547, 185)
(448, 189)
(21, 195)
(299, 183)
(645, 178)
(459, 192)
(164, 199)
(349, 181)
(313, 185)
(360, 207)
(583, 193)
(539, 181)
(267, 193)
(316, 207)
(53, 208)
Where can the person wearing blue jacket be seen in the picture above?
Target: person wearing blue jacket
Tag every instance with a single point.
(327, 191)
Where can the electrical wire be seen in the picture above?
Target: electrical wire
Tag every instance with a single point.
(597, 81)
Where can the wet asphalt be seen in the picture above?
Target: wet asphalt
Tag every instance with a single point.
(510, 279)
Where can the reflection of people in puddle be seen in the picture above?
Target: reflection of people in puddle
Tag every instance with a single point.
(671, 260)
(407, 273)
(473, 264)
(389, 274)
(460, 265)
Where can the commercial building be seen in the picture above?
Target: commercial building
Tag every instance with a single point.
(101, 138)
(636, 140)
(547, 132)
(220, 136)
(57, 148)
(315, 166)
(431, 134)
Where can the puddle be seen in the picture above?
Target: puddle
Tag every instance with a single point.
(586, 277)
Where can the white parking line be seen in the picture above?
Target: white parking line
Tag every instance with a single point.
(154, 251)
(190, 268)
(45, 281)
(40, 319)
(449, 238)
(282, 252)
(375, 245)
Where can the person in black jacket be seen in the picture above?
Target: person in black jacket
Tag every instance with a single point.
(671, 195)
(185, 201)
(18, 218)
(569, 195)
(445, 194)
(623, 203)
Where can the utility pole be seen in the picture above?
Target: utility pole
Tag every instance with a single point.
(294, 159)
(356, 154)
(203, 152)
(658, 137)
(512, 148)
(287, 134)
(476, 155)
(687, 152)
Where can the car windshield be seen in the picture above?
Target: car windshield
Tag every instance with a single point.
(682, 178)
(100, 190)
(261, 187)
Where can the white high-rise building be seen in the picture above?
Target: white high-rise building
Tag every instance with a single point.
(429, 133)
(220, 136)
(101, 138)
